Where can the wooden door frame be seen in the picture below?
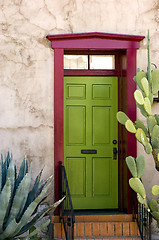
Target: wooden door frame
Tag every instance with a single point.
(97, 41)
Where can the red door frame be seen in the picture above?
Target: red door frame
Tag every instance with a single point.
(96, 41)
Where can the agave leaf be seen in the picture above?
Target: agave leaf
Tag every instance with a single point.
(4, 173)
(20, 197)
(122, 117)
(145, 86)
(40, 215)
(36, 219)
(23, 170)
(11, 174)
(7, 233)
(33, 193)
(138, 97)
(29, 211)
(8, 158)
(1, 167)
(140, 124)
(38, 229)
(155, 81)
(4, 201)
(42, 184)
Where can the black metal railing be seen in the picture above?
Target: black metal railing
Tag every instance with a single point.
(143, 219)
(66, 207)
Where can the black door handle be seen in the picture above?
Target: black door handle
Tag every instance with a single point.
(115, 151)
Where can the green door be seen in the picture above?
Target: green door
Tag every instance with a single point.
(90, 126)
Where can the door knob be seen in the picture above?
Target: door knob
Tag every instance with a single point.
(115, 151)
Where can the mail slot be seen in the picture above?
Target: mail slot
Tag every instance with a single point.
(89, 151)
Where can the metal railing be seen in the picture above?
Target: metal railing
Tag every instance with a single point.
(143, 219)
(66, 208)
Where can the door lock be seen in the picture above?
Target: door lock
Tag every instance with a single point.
(115, 151)
(114, 142)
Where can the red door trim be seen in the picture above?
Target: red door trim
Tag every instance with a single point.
(58, 117)
(129, 43)
(131, 112)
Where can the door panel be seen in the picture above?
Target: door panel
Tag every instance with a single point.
(75, 128)
(101, 125)
(90, 106)
(73, 166)
(101, 175)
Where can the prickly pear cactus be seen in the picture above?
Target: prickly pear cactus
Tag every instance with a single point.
(147, 135)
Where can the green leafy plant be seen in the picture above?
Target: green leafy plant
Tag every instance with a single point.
(147, 135)
(19, 203)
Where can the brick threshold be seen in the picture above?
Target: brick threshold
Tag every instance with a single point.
(102, 227)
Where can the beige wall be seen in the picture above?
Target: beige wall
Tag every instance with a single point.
(26, 64)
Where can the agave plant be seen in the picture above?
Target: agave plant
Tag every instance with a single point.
(19, 203)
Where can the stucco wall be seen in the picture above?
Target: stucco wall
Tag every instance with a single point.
(26, 64)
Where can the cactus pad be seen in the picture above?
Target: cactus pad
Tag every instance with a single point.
(130, 126)
(138, 134)
(147, 106)
(122, 117)
(155, 142)
(139, 97)
(148, 148)
(131, 163)
(157, 118)
(145, 86)
(155, 190)
(142, 110)
(153, 205)
(151, 122)
(140, 124)
(138, 78)
(143, 137)
(155, 81)
(155, 215)
(140, 199)
(140, 164)
(137, 186)
(151, 98)
(155, 132)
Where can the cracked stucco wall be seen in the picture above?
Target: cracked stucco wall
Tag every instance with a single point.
(26, 64)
